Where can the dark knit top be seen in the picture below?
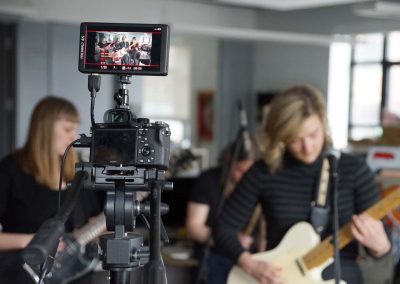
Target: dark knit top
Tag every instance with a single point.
(25, 205)
(285, 198)
(207, 190)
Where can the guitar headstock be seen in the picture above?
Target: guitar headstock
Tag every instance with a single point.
(179, 161)
(393, 193)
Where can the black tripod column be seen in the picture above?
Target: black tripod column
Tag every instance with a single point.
(120, 250)
(155, 268)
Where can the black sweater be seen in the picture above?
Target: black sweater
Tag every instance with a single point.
(285, 198)
(25, 205)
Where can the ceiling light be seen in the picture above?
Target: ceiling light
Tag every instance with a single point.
(379, 9)
(286, 5)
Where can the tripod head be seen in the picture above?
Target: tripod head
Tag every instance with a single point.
(121, 112)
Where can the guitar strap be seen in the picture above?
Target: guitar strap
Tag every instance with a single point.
(320, 206)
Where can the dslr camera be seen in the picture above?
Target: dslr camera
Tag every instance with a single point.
(124, 50)
(127, 154)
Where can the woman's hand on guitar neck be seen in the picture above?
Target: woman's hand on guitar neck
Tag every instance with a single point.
(245, 240)
(263, 271)
(371, 234)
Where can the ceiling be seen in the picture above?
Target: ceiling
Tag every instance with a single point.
(321, 16)
(301, 21)
(285, 5)
(378, 9)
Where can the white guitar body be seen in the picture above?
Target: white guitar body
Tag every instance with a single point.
(300, 239)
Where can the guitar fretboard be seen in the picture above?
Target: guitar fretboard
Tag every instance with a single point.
(324, 251)
(93, 229)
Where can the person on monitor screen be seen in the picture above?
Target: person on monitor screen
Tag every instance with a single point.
(122, 51)
(134, 51)
(284, 182)
(29, 185)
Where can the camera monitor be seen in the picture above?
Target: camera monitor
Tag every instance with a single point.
(133, 49)
(114, 147)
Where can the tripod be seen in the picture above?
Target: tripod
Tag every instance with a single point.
(132, 154)
(122, 251)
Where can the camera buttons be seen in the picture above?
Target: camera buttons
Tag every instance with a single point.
(146, 151)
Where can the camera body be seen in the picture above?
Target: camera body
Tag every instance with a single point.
(138, 143)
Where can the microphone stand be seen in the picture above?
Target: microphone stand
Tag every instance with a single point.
(42, 248)
(335, 216)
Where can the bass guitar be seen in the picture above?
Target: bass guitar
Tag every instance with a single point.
(72, 263)
(302, 256)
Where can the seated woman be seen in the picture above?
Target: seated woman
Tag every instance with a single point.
(29, 184)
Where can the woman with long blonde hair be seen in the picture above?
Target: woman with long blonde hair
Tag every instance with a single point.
(285, 181)
(29, 180)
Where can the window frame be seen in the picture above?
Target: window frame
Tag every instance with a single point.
(386, 65)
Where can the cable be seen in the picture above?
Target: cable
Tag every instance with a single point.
(92, 101)
(43, 272)
(62, 172)
(164, 269)
(94, 81)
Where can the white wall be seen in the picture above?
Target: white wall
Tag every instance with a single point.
(205, 76)
(235, 84)
(48, 65)
(277, 65)
(31, 74)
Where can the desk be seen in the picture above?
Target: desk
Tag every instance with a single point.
(178, 262)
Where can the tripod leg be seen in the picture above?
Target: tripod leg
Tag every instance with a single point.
(155, 268)
(120, 277)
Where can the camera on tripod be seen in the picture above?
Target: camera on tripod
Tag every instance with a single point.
(127, 154)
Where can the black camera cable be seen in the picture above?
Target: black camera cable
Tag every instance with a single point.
(62, 171)
(94, 82)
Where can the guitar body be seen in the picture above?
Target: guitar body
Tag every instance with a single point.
(300, 239)
(301, 254)
(71, 264)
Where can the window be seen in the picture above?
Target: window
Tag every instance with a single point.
(338, 92)
(375, 66)
(168, 98)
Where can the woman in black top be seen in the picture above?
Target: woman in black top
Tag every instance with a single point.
(29, 184)
(284, 183)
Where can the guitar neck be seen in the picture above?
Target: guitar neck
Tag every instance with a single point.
(91, 230)
(255, 217)
(325, 249)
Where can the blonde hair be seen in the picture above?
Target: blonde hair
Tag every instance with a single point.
(39, 157)
(287, 112)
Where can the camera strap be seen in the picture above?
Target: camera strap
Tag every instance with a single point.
(320, 206)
